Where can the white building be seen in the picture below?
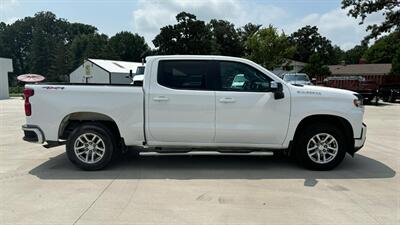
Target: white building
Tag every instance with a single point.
(5, 68)
(103, 72)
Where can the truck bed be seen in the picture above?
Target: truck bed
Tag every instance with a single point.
(122, 104)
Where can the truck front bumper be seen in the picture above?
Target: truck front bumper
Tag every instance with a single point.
(359, 142)
(33, 134)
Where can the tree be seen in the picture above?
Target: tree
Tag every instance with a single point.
(396, 63)
(337, 55)
(308, 41)
(315, 67)
(354, 55)
(3, 46)
(39, 57)
(75, 29)
(60, 63)
(225, 38)
(188, 36)
(88, 46)
(34, 43)
(269, 48)
(128, 46)
(16, 42)
(384, 49)
(362, 9)
(245, 33)
(248, 30)
(2, 26)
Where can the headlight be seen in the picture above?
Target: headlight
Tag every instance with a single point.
(358, 102)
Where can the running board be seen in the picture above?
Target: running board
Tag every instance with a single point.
(52, 144)
(258, 153)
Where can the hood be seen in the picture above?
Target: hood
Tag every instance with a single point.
(322, 91)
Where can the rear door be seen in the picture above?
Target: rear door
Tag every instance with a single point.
(246, 111)
(181, 104)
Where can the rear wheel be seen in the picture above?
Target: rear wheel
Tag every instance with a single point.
(90, 146)
(385, 98)
(391, 98)
(320, 146)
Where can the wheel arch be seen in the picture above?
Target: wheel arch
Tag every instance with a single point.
(335, 120)
(72, 120)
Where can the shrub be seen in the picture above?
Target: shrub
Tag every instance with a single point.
(16, 90)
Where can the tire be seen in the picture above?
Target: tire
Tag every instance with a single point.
(391, 99)
(91, 146)
(322, 155)
(385, 99)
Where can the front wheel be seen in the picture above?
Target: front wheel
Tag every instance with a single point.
(90, 146)
(320, 147)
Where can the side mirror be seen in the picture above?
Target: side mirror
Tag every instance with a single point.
(277, 89)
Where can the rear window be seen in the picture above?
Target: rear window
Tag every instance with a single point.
(183, 74)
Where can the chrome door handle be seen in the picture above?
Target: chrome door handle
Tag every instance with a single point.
(227, 100)
(160, 99)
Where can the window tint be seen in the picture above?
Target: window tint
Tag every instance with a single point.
(179, 74)
(241, 77)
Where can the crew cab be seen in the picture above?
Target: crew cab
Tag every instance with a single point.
(189, 103)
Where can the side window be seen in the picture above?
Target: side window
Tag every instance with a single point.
(183, 74)
(241, 77)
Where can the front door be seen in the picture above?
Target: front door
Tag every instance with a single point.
(246, 111)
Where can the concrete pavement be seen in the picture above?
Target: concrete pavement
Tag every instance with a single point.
(40, 186)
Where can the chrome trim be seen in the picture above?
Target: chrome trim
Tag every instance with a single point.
(359, 142)
(363, 129)
(37, 131)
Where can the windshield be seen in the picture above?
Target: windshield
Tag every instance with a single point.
(140, 70)
(296, 78)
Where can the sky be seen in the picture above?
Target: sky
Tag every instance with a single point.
(146, 17)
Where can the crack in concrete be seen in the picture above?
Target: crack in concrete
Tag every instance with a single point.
(90, 206)
(130, 197)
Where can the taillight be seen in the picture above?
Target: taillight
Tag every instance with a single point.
(27, 94)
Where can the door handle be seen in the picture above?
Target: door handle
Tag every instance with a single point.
(227, 100)
(160, 99)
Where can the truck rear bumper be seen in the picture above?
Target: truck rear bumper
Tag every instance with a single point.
(33, 134)
(359, 142)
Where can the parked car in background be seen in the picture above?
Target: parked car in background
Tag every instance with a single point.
(140, 70)
(189, 103)
(138, 76)
(297, 78)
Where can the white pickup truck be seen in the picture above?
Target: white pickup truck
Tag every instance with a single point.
(189, 103)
